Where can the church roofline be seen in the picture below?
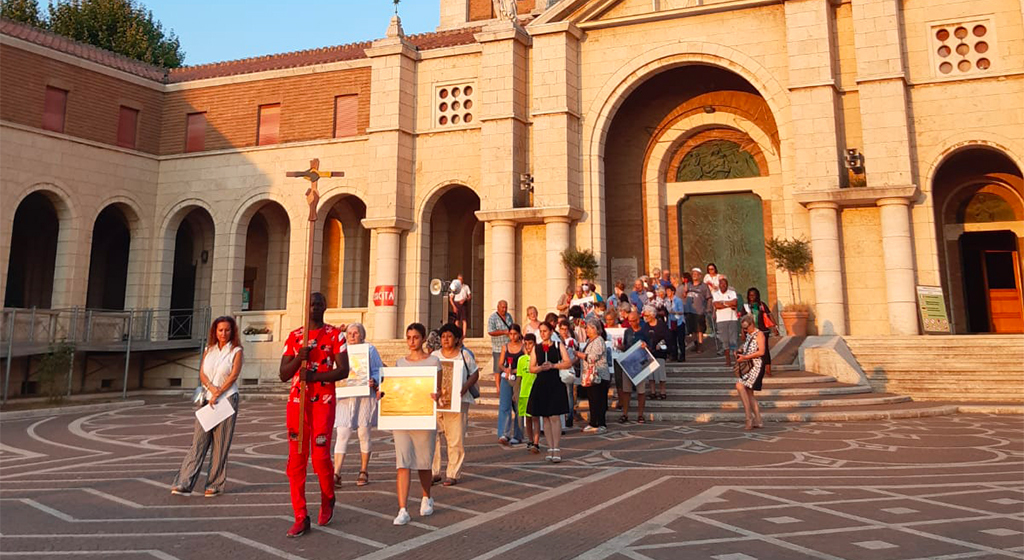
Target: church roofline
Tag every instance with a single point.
(295, 59)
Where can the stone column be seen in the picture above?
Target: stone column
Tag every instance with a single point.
(557, 240)
(385, 317)
(898, 252)
(828, 268)
(502, 264)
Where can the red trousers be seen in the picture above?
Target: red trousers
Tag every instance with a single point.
(319, 425)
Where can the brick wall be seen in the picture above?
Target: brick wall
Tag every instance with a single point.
(307, 104)
(93, 99)
(307, 108)
(483, 9)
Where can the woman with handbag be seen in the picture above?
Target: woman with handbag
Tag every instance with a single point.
(547, 398)
(452, 425)
(218, 373)
(749, 369)
(764, 321)
(596, 377)
(568, 336)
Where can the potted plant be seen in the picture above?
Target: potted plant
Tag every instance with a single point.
(257, 334)
(53, 371)
(794, 257)
(581, 265)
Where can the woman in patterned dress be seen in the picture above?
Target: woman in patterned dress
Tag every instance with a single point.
(749, 381)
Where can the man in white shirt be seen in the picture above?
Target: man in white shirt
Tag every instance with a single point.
(459, 300)
(725, 317)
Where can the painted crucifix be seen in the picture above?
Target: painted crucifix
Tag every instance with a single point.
(313, 175)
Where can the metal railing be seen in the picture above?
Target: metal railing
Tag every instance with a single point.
(25, 332)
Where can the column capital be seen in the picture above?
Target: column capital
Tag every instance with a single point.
(822, 205)
(532, 214)
(557, 220)
(893, 201)
(501, 222)
(385, 224)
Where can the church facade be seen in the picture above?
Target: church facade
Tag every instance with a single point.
(655, 133)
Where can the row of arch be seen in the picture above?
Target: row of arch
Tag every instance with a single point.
(191, 245)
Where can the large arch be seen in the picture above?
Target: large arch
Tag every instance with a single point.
(345, 252)
(265, 270)
(978, 202)
(452, 241)
(67, 214)
(618, 88)
(188, 244)
(33, 258)
(109, 257)
(657, 117)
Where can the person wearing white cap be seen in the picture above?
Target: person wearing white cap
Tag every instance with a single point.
(698, 297)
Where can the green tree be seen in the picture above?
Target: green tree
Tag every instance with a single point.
(122, 26)
(24, 11)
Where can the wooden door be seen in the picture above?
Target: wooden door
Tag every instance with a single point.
(1002, 282)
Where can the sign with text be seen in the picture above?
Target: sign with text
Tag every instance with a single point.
(384, 296)
(932, 307)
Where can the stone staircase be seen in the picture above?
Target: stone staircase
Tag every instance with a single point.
(702, 390)
(964, 369)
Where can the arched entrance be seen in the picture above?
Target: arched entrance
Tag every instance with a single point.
(705, 136)
(108, 260)
(192, 275)
(345, 263)
(457, 247)
(33, 257)
(265, 279)
(979, 204)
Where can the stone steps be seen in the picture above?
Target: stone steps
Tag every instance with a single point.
(945, 367)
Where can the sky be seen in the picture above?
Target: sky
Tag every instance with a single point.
(220, 30)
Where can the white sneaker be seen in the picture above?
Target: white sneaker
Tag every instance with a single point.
(426, 506)
(589, 430)
(602, 429)
(403, 517)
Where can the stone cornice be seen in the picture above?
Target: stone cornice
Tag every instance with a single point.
(504, 31)
(530, 214)
(556, 27)
(388, 223)
(858, 196)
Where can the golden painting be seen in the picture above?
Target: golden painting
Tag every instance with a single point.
(449, 383)
(407, 403)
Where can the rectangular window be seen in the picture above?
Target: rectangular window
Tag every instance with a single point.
(127, 123)
(54, 108)
(195, 132)
(346, 110)
(267, 131)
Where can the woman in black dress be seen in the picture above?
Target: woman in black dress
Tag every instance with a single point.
(547, 399)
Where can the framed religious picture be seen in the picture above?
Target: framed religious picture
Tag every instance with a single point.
(637, 363)
(407, 404)
(357, 384)
(615, 336)
(449, 385)
(585, 303)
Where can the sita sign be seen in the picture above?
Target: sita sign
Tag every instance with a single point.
(384, 296)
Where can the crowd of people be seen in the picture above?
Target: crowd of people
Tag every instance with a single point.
(543, 370)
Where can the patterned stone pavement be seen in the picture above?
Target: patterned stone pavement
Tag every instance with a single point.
(96, 485)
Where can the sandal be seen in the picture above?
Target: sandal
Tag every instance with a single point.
(664, 396)
(337, 481)
(556, 455)
(364, 478)
(641, 420)
(623, 419)
(535, 449)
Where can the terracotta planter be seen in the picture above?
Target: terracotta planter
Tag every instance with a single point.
(795, 322)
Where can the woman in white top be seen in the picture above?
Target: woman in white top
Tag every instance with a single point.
(532, 324)
(712, 277)
(358, 414)
(222, 362)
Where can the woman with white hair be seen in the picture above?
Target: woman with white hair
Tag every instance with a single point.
(357, 413)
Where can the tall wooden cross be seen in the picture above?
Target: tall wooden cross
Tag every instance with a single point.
(313, 174)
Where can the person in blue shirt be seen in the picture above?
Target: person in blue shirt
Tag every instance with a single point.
(676, 325)
(638, 297)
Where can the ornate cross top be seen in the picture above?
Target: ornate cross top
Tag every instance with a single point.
(313, 174)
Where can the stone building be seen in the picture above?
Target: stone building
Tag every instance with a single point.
(657, 133)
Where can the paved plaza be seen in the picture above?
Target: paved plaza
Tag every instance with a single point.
(96, 485)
